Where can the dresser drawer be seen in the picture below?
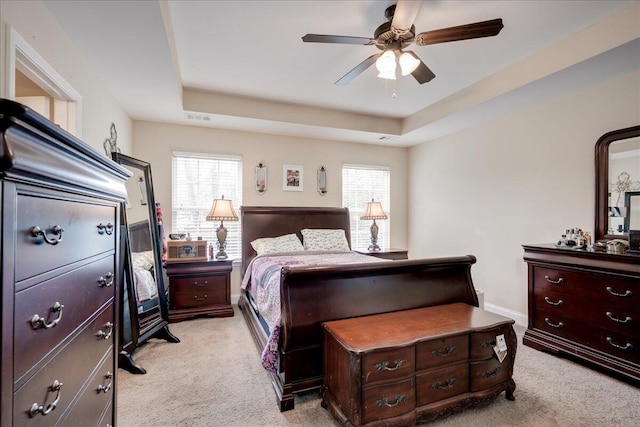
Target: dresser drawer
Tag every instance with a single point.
(601, 313)
(611, 342)
(81, 236)
(70, 298)
(441, 351)
(602, 287)
(200, 283)
(438, 384)
(482, 343)
(95, 397)
(71, 367)
(199, 291)
(389, 364)
(488, 373)
(388, 400)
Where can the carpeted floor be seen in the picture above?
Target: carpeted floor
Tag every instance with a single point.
(214, 378)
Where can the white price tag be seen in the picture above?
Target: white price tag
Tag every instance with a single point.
(502, 344)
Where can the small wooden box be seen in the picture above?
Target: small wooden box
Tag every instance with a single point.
(184, 250)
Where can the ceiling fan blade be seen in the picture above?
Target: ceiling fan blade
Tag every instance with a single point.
(461, 32)
(405, 14)
(422, 73)
(324, 38)
(355, 72)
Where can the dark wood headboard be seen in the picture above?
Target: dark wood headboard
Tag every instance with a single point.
(140, 236)
(274, 221)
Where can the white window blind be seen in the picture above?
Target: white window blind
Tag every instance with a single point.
(198, 179)
(360, 184)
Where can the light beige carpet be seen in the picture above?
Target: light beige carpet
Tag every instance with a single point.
(214, 378)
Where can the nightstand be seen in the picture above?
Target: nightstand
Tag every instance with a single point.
(199, 288)
(386, 253)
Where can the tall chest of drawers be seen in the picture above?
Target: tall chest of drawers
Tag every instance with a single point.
(60, 275)
(412, 366)
(585, 305)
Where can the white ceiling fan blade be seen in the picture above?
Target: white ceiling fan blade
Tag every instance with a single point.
(405, 14)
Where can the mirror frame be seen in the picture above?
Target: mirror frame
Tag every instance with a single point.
(602, 179)
(155, 325)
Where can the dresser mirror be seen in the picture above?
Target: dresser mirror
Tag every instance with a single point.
(617, 173)
(143, 298)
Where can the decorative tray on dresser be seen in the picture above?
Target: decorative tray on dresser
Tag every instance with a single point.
(586, 304)
(60, 275)
(413, 366)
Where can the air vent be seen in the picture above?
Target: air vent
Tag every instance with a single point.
(197, 117)
(386, 138)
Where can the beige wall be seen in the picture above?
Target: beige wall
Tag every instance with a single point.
(33, 21)
(154, 143)
(520, 179)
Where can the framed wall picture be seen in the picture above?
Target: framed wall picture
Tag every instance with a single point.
(292, 178)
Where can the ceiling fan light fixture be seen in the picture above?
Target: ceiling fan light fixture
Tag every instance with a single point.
(408, 63)
(386, 65)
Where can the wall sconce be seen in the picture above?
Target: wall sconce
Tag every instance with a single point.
(372, 211)
(222, 210)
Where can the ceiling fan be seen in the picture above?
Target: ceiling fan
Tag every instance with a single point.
(398, 33)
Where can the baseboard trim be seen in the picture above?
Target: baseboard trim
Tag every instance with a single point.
(234, 299)
(520, 318)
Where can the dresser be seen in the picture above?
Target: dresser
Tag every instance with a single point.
(413, 366)
(585, 305)
(60, 275)
(199, 288)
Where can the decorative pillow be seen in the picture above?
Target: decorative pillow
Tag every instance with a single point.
(325, 240)
(142, 260)
(270, 245)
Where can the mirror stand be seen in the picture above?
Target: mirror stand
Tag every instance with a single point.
(143, 308)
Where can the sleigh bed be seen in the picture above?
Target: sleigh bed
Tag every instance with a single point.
(310, 295)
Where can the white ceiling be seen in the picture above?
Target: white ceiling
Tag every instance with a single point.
(243, 65)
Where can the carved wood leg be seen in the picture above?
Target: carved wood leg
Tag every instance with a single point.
(125, 361)
(511, 387)
(165, 334)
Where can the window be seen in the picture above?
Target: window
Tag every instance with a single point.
(197, 179)
(360, 184)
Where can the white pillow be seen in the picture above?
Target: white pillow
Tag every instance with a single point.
(270, 245)
(325, 240)
(142, 260)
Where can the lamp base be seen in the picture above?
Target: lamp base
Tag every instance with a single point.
(374, 238)
(221, 255)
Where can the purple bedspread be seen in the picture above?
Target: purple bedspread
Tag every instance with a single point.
(262, 281)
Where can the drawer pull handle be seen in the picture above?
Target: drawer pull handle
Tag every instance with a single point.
(56, 231)
(106, 388)
(385, 402)
(492, 373)
(443, 353)
(197, 298)
(553, 325)
(385, 365)
(37, 321)
(106, 281)
(488, 343)
(560, 281)
(40, 409)
(200, 285)
(443, 386)
(627, 293)
(625, 320)
(105, 335)
(556, 303)
(627, 346)
(105, 229)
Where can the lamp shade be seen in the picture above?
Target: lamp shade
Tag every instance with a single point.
(386, 65)
(222, 210)
(408, 63)
(373, 210)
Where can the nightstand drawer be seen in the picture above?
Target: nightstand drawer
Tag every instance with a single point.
(200, 283)
(199, 298)
(443, 351)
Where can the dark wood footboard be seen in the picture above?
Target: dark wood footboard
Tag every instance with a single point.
(313, 295)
